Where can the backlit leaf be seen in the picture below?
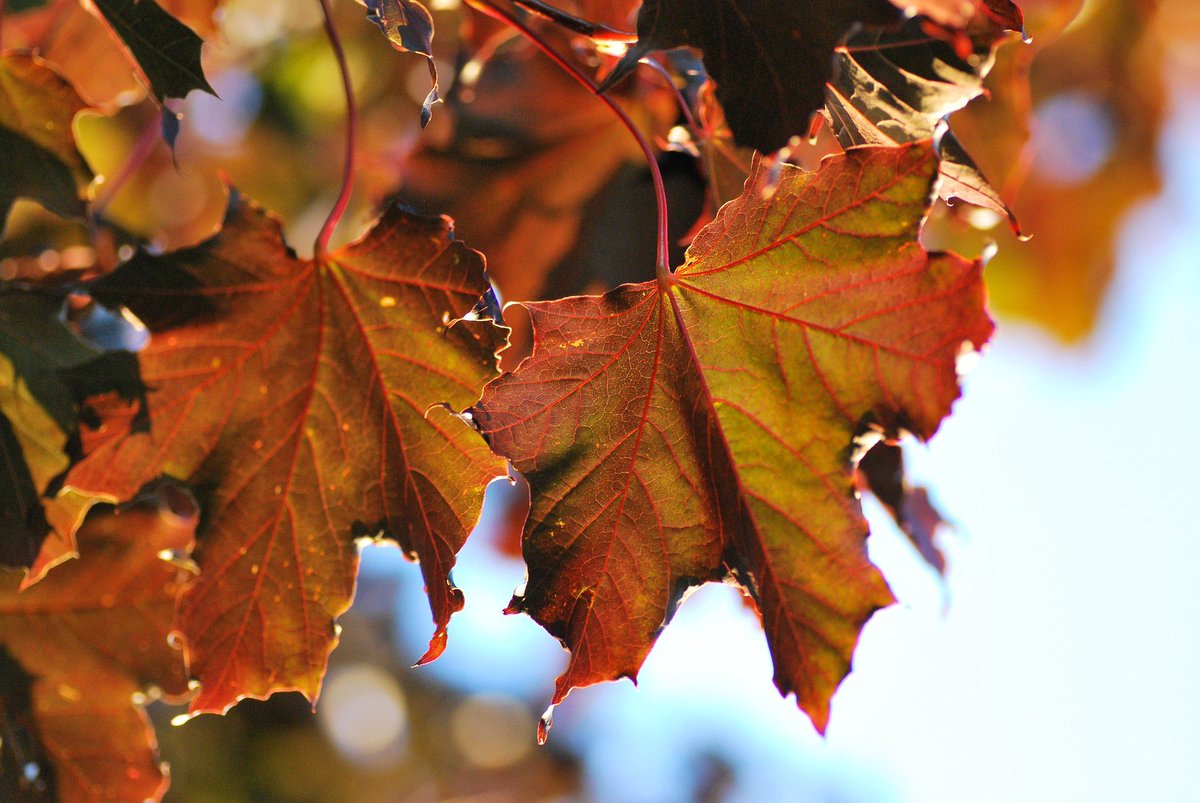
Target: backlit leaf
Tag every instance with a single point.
(76, 42)
(93, 635)
(892, 87)
(40, 159)
(293, 395)
(769, 60)
(408, 25)
(676, 437)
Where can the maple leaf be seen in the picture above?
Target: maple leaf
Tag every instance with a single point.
(293, 393)
(41, 159)
(680, 436)
(408, 25)
(93, 636)
(892, 87)
(166, 50)
(769, 60)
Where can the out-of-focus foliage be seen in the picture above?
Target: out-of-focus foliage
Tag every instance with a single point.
(1068, 136)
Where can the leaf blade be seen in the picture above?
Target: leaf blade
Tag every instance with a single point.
(166, 50)
(286, 390)
(795, 322)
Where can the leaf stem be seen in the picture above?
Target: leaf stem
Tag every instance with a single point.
(662, 267)
(343, 200)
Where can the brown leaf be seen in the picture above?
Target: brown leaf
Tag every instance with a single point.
(78, 45)
(293, 394)
(93, 635)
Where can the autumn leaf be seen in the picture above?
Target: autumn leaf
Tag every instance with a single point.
(293, 394)
(92, 638)
(769, 60)
(673, 437)
(408, 25)
(41, 159)
(65, 34)
(166, 50)
(196, 14)
(892, 87)
(56, 391)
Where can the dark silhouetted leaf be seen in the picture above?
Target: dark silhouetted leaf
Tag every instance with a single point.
(166, 50)
(769, 60)
(676, 437)
(293, 394)
(92, 636)
(38, 155)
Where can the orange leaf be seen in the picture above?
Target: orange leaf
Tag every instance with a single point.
(91, 636)
(706, 432)
(293, 395)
